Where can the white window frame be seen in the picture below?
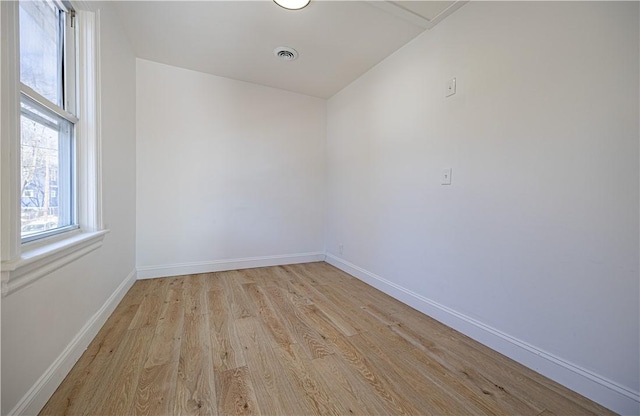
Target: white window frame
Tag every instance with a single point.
(22, 264)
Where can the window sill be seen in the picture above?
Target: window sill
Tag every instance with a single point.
(39, 261)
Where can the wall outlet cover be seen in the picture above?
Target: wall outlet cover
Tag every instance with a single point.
(445, 178)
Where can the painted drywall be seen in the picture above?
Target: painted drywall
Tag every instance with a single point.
(226, 170)
(537, 236)
(41, 320)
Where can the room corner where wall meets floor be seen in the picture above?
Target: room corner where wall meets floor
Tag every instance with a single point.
(576, 378)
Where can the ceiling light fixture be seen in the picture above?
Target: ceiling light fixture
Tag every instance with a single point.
(292, 4)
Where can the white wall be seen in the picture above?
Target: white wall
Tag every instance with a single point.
(40, 321)
(537, 237)
(226, 171)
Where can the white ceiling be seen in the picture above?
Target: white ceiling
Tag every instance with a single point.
(337, 40)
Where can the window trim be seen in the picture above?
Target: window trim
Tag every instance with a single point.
(22, 264)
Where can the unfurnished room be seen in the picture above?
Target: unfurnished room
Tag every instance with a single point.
(294, 207)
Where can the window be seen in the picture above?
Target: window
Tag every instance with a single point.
(49, 92)
(47, 120)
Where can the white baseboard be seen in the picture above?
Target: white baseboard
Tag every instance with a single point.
(591, 385)
(43, 389)
(151, 272)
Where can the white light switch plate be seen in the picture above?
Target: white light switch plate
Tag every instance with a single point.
(451, 87)
(446, 176)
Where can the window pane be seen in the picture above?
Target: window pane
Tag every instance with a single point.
(47, 199)
(41, 48)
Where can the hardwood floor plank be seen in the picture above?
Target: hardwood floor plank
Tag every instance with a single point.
(359, 362)
(195, 383)
(245, 276)
(214, 282)
(138, 291)
(240, 306)
(273, 276)
(307, 387)
(380, 314)
(235, 393)
(409, 386)
(367, 295)
(226, 351)
(274, 326)
(376, 380)
(275, 393)
(195, 295)
(355, 395)
(310, 341)
(341, 320)
(263, 368)
(321, 273)
(156, 386)
(151, 304)
(116, 392)
(351, 308)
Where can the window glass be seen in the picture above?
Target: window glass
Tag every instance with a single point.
(46, 170)
(41, 48)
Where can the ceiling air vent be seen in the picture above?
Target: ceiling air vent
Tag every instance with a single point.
(286, 54)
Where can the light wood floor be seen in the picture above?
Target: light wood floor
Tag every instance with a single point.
(292, 340)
